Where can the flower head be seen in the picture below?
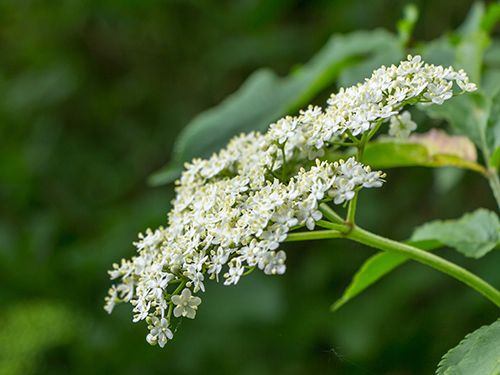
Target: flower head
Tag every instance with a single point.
(232, 211)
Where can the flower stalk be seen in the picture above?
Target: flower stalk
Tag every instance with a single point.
(373, 240)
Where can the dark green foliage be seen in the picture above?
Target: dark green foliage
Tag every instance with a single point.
(93, 96)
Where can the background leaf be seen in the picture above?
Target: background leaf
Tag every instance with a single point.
(265, 97)
(477, 354)
(475, 116)
(473, 235)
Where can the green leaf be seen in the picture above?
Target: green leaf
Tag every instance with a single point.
(477, 354)
(265, 97)
(375, 268)
(473, 235)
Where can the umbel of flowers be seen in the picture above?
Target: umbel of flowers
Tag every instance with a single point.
(233, 210)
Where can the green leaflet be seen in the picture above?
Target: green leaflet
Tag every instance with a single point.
(473, 235)
(265, 97)
(375, 268)
(477, 354)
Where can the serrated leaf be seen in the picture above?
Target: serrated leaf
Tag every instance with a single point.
(265, 97)
(473, 235)
(375, 268)
(477, 354)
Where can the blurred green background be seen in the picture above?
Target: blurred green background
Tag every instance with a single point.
(93, 96)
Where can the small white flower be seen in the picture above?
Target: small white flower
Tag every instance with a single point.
(111, 299)
(186, 304)
(343, 190)
(439, 93)
(273, 263)
(235, 272)
(160, 332)
(401, 125)
(238, 206)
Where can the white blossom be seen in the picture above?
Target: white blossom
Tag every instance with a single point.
(232, 211)
(401, 125)
(159, 332)
(186, 304)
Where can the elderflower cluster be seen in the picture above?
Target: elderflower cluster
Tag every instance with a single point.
(233, 210)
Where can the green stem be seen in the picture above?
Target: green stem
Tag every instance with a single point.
(351, 210)
(372, 132)
(459, 273)
(283, 171)
(316, 235)
(353, 138)
(347, 144)
(179, 288)
(249, 271)
(328, 225)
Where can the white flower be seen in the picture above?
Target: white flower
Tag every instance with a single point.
(126, 289)
(235, 272)
(438, 93)
(273, 263)
(343, 190)
(111, 299)
(239, 205)
(401, 125)
(218, 259)
(186, 304)
(160, 332)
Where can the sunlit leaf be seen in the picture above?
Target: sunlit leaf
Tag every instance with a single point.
(473, 235)
(477, 354)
